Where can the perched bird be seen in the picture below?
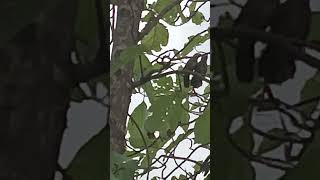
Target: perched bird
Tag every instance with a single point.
(291, 20)
(191, 64)
(200, 68)
(255, 14)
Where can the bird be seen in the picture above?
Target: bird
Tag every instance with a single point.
(255, 14)
(190, 65)
(292, 20)
(201, 68)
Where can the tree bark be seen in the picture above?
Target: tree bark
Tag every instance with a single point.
(35, 81)
(124, 36)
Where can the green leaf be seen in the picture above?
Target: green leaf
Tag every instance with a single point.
(268, 144)
(167, 109)
(149, 89)
(128, 55)
(202, 127)
(308, 166)
(157, 122)
(112, 177)
(183, 177)
(139, 115)
(193, 42)
(182, 16)
(198, 18)
(185, 117)
(175, 143)
(157, 37)
(175, 114)
(196, 167)
(122, 167)
(152, 152)
(310, 90)
(91, 161)
(192, 7)
(244, 138)
(164, 84)
(148, 16)
(170, 16)
(145, 67)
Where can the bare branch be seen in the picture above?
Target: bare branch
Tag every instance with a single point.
(278, 40)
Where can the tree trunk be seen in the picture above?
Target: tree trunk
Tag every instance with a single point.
(124, 36)
(35, 81)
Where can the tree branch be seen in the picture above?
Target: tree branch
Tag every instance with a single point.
(153, 22)
(145, 79)
(278, 40)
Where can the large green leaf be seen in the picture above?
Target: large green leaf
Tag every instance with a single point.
(122, 167)
(167, 111)
(202, 127)
(157, 37)
(16, 14)
(170, 16)
(91, 160)
(139, 115)
(142, 65)
(157, 121)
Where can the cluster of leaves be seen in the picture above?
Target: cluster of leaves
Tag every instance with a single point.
(152, 127)
(176, 13)
(231, 101)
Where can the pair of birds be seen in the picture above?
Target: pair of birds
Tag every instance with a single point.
(195, 66)
(290, 19)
